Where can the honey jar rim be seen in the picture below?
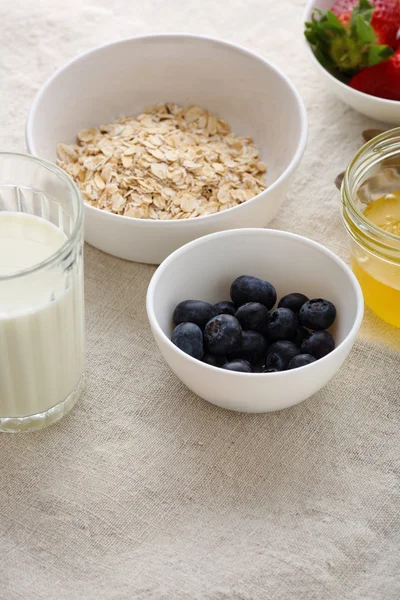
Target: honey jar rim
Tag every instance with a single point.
(381, 148)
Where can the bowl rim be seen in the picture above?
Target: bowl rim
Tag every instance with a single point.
(262, 232)
(356, 93)
(291, 168)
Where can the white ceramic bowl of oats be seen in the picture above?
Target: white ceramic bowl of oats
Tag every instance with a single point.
(146, 191)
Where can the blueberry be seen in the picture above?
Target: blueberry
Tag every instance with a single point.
(223, 335)
(276, 362)
(212, 359)
(252, 348)
(193, 311)
(189, 338)
(225, 308)
(280, 353)
(300, 335)
(242, 366)
(317, 314)
(253, 315)
(282, 325)
(300, 361)
(293, 301)
(252, 289)
(318, 344)
(271, 370)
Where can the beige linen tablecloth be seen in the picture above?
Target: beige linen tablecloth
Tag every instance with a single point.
(144, 491)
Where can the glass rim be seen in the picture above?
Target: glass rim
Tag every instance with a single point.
(347, 198)
(79, 217)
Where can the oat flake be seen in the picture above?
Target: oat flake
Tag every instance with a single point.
(170, 162)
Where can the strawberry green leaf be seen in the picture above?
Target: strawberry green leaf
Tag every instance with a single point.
(341, 49)
(321, 29)
(314, 35)
(378, 54)
(324, 59)
(364, 30)
(333, 23)
(347, 53)
(363, 9)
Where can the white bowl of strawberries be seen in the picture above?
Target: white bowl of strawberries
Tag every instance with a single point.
(355, 46)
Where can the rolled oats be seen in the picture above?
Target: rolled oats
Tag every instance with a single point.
(169, 162)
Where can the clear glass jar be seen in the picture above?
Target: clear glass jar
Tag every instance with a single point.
(41, 293)
(375, 253)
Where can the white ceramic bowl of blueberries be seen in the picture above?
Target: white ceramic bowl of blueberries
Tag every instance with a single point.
(254, 320)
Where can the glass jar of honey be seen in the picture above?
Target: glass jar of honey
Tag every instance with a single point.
(371, 214)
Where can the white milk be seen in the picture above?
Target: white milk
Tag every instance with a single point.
(41, 319)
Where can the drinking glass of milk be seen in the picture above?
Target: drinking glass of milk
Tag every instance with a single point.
(41, 293)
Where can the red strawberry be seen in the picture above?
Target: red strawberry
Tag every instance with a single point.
(355, 34)
(345, 18)
(342, 6)
(382, 80)
(385, 19)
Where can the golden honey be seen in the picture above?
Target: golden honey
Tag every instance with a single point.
(385, 213)
(380, 280)
(383, 299)
(371, 214)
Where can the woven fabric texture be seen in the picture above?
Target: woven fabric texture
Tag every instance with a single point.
(146, 492)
